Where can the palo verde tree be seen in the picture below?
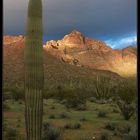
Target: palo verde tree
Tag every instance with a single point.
(34, 77)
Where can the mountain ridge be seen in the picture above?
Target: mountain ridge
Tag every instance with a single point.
(76, 49)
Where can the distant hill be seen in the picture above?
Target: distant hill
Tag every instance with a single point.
(77, 49)
(56, 71)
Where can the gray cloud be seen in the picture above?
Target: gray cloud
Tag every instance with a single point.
(95, 18)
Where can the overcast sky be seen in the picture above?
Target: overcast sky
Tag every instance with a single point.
(112, 21)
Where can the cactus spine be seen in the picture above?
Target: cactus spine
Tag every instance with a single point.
(34, 78)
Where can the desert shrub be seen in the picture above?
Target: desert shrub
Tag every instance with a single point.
(5, 107)
(68, 126)
(122, 129)
(63, 115)
(59, 92)
(110, 126)
(126, 98)
(102, 113)
(103, 87)
(92, 99)
(17, 93)
(115, 110)
(74, 98)
(51, 116)
(11, 133)
(20, 102)
(18, 125)
(4, 125)
(76, 125)
(132, 135)
(81, 107)
(7, 95)
(127, 110)
(50, 132)
(52, 107)
(84, 137)
(63, 102)
(83, 119)
(104, 136)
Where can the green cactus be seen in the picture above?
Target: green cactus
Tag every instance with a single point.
(102, 87)
(34, 77)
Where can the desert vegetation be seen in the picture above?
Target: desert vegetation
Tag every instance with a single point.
(74, 112)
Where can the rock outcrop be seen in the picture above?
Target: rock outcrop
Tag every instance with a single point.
(93, 53)
(78, 50)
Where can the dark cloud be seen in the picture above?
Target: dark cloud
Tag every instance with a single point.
(105, 19)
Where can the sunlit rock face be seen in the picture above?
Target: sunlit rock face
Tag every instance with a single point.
(78, 50)
(94, 54)
(9, 40)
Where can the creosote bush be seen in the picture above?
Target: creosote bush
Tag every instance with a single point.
(102, 113)
(72, 126)
(104, 136)
(126, 98)
(63, 115)
(110, 126)
(132, 135)
(50, 132)
(83, 119)
(122, 129)
(51, 116)
(11, 133)
(5, 107)
(74, 98)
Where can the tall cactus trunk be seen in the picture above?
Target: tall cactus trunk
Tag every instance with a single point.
(34, 71)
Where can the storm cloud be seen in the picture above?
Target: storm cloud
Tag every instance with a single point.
(101, 19)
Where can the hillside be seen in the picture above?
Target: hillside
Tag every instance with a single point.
(56, 71)
(77, 49)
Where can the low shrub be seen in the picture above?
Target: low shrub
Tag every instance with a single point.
(76, 125)
(17, 93)
(92, 99)
(68, 126)
(4, 125)
(104, 136)
(81, 107)
(122, 129)
(110, 126)
(132, 135)
(84, 137)
(74, 98)
(7, 95)
(127, 110)
(52, 116)
(83, 119)
(51, 132)
(115, 110)
(52, 107)
(5, 107)
(72, 126)
(64, 115)
(102, 113)
(63, 102)
(11, 133)
(126, 98)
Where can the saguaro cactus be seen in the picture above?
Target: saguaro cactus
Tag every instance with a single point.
(34, 71)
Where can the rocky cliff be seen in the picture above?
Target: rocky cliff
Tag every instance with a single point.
(79, 50)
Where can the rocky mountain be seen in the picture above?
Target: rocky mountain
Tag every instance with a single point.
(79, 50)
(56, 71)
